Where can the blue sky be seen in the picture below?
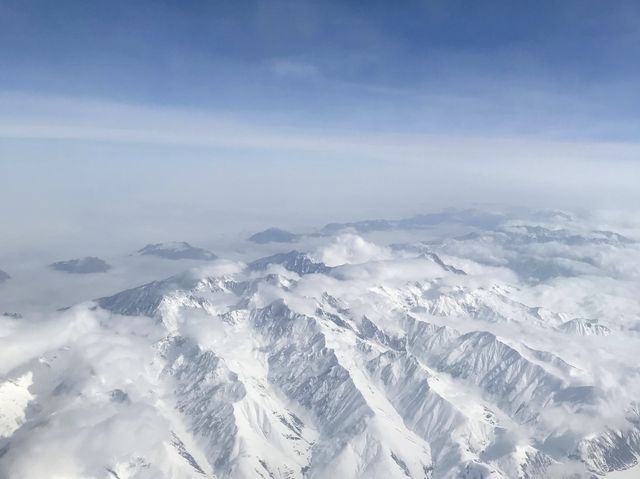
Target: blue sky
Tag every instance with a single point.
(553, 68)
(153, 115)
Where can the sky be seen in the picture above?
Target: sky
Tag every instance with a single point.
(151, 120)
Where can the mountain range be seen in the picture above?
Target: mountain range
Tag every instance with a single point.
(507, 353)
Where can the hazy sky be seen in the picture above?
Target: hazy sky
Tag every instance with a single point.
(161, 119)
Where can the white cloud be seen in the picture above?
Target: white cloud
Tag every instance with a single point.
(351, 249)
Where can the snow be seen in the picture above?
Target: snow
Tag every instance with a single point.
(14, 398)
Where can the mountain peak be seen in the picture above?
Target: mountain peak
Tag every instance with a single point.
(300, 263)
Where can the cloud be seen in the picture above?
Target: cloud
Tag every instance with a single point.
(79, 362)
(294, 69)
(351, 249)
(29, 116)
(42, 333)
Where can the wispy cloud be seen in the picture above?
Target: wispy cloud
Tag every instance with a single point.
(295, 69)
(42, 117)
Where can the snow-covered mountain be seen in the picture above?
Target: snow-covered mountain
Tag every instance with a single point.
(295, 261)
(424, 361)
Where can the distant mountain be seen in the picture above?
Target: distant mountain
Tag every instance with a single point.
(4, 276)
(273, 235)
(294, 261)
(177, 250)
(470, 217)
(89, 264)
